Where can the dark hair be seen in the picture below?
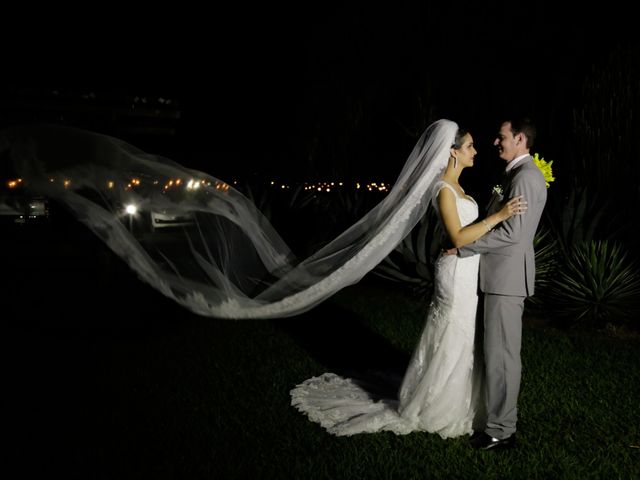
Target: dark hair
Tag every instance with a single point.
(526, 126)
(457, 143)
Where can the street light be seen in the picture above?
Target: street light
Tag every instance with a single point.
(131, 210)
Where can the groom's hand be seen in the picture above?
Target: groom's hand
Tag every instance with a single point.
(450, 251)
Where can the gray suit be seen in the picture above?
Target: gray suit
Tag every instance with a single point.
(507, 276)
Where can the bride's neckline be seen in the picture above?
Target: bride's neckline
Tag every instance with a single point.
(464, 196)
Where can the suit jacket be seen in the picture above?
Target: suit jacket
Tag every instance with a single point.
(507, 264)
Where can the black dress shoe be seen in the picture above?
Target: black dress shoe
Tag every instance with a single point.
(485, 441)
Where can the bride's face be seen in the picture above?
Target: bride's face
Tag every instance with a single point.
(467, 151)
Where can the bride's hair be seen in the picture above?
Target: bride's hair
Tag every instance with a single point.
(457, 143)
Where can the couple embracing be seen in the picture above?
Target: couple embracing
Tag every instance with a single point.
(459, 381)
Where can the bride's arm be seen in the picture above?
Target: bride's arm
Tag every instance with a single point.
(460, 235)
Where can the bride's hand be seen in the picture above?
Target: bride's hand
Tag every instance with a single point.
(515, 206)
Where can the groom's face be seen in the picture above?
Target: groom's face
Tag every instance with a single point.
(506, 143)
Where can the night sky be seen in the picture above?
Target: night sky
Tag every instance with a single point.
(321, 91)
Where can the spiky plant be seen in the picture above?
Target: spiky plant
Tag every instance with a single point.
(410, 262)
(547, 261)
(319, 216)
(260, 194)
(605, 149)
(606, 123)
(595, 286)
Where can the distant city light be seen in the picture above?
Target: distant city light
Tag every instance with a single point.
(195, 184)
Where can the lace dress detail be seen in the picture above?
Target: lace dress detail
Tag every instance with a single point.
(440, 391)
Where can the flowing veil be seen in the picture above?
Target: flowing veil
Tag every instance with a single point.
(229, 262)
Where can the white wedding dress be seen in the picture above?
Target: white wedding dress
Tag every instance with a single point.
(440, 392)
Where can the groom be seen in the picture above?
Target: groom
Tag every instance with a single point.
(507, 275)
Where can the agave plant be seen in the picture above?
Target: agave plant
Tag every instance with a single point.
(261, 196)
(596, 285)
(582, 216)
(410, 262)
(547, 262)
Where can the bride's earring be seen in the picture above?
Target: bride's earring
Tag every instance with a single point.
(455, 162)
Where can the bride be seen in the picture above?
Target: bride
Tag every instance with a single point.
(441, 389)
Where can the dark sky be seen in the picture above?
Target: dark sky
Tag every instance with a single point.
(277, 89)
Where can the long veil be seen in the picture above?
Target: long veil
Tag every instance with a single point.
(228, 261)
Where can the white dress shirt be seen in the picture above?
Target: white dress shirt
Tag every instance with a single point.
(513, 162)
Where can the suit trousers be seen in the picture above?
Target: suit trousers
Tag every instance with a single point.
(502, 342)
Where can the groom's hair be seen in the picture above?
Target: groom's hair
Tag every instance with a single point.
(526, 126)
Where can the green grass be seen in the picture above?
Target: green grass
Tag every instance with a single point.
(181, 396)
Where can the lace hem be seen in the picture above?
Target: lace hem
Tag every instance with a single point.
(343, 408)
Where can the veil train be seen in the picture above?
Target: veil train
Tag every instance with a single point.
(228, 262)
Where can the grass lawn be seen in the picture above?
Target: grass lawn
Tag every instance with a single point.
(157, 392)
(106, 378)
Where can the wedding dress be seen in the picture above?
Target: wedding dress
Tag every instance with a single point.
(440, 392)
(228, 262)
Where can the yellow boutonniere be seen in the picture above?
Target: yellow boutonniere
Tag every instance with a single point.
(545, 168)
